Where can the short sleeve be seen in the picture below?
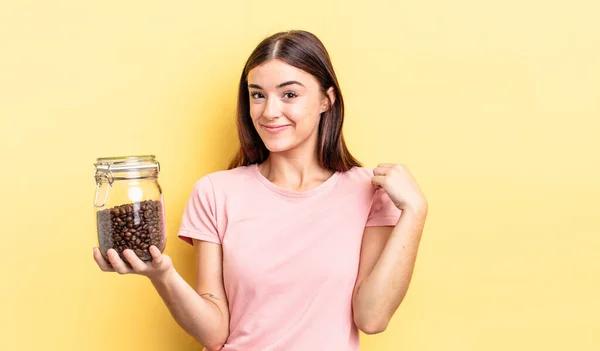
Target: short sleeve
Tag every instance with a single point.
(199, 219)
(383, 211)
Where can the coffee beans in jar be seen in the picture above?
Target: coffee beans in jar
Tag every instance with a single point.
(129, 205)
(134, 226)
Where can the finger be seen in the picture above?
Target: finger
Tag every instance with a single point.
(157, 258)
(380, 171)
(117, 263)
(378, 181)
(135, 262)
(104, 266)
(386, 165)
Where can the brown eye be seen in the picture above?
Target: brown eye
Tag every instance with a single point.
(290, 95)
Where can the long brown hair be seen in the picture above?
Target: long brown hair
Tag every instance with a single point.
(305, 51)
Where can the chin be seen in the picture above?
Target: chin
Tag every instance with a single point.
(278, 146)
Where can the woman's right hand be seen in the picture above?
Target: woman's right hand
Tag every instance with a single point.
(157, 269)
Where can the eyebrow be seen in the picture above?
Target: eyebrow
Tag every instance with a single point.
(291, 82)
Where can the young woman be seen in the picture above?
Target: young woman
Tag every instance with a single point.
(297, 246)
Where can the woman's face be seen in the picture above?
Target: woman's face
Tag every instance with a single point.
(285, 105)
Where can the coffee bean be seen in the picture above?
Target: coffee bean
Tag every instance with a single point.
(131, 226)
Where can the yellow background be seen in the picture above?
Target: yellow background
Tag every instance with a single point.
(493, 105)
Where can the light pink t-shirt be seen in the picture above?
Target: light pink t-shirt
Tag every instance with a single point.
(290, 259)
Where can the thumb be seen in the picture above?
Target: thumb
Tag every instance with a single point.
(157, 258)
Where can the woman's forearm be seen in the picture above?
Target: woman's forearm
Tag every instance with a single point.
(198, 316)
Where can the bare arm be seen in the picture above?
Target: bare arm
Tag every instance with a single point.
(202, 312)
(387, 261)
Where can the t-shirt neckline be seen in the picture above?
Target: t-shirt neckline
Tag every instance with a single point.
(326, 185)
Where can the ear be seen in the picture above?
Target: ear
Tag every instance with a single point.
(327, 103)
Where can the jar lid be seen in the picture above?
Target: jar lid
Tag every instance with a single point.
(107, 166)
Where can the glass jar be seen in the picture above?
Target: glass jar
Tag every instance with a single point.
(129, 206)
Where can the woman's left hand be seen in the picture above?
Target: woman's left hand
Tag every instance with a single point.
(401, 187)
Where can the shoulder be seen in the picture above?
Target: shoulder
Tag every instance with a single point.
(355, 179)
(359, 174)
(231, 175)
(224, 179)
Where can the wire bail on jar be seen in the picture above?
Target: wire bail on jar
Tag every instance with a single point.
(110, 179)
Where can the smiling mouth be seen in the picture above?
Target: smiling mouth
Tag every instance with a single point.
(275, 128)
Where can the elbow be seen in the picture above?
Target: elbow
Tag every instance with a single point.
(374, 328)
(371, 326)
(215, 344)
(214, 339)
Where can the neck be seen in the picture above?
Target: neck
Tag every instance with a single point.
(294, 170)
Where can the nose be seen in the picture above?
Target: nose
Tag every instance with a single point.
(272, 109)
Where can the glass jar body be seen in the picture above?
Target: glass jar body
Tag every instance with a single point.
(130, 212)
